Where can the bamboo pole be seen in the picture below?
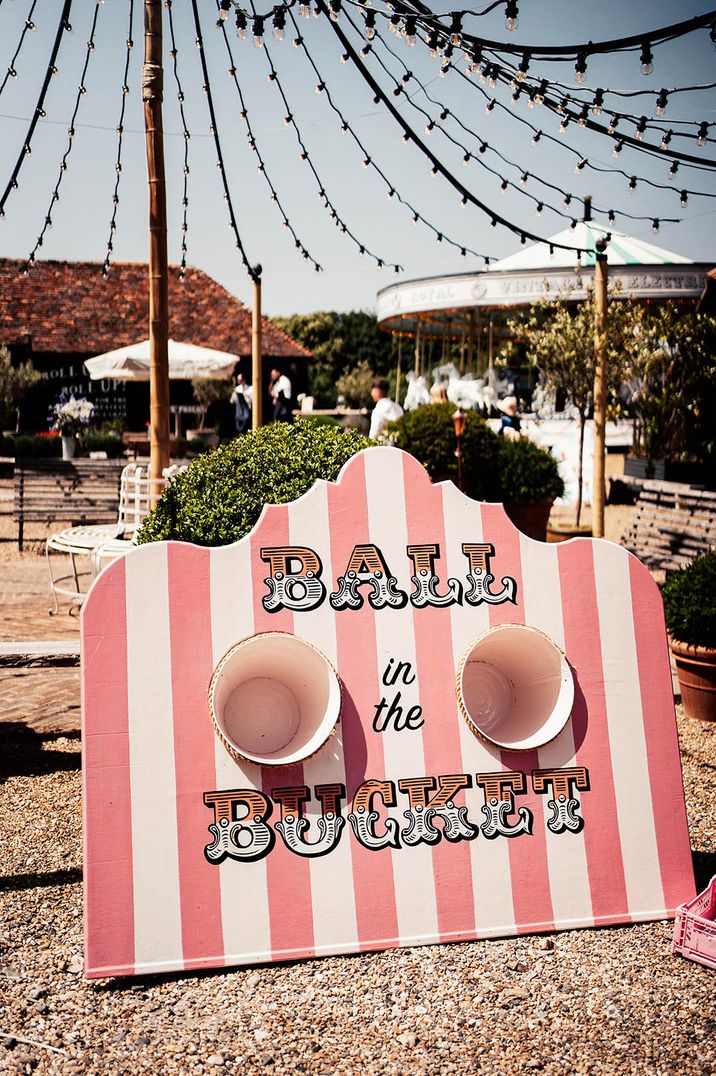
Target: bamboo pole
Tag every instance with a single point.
(152, 92)
(257, 403)
(600, 387)
(417, 349)
(397, 374)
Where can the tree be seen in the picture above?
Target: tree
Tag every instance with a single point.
(339, 342)
(559, 338)
(15, 383)
(208, 391)
(671, 384)
(355, 384)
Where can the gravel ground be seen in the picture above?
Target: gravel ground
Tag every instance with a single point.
(598, 1001)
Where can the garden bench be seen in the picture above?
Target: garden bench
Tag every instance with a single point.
(671, 525)
(73, 491)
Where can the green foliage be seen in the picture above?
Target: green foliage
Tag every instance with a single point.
(428, 434)
(96, 441)
(219, 498)
(15, 383)
(672, 384)
(28, 446)
(690, 602)
(355, 385)
(527, 473)
(339, 341)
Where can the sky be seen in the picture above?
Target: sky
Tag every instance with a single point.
(349, 281)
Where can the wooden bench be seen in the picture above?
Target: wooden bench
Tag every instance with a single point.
(671, 525)
(70, 491)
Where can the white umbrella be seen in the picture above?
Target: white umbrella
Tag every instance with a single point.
(186, 361)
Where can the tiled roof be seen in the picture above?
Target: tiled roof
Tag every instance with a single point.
(71, 307)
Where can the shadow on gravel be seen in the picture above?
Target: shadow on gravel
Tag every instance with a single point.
(11, 882)
(704, 868)
(22, 752)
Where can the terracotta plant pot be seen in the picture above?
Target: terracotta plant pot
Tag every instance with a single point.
(696, 668)
(531, 519)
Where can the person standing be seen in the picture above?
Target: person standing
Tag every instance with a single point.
(510, 424)
(385, 410)
(280, 389)
(241, 398)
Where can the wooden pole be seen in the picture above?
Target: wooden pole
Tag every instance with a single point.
(417, 349)
(600, 387)
(152, 91)
(397, 373)
(257, 404)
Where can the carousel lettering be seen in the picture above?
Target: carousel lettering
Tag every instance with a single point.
(240, 828)
(294, 580)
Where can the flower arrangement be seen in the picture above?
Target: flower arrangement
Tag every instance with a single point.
(69, 414)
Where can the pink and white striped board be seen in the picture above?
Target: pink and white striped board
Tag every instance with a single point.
(418, 831)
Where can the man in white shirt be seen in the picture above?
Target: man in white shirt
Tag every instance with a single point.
(385, 410)
(280, 389)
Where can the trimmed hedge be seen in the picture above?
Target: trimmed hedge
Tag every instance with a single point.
(690, 602)
(527, 473)
(219, 498)
(29, 446)
(428, 434)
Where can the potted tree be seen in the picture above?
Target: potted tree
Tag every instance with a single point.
(559, 338)
(529, 482)
(690, 609)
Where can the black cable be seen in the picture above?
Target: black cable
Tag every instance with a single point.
(39, 108)
(187, 136)
(438, 166)
(255, 276)
(262, 166)
(120, 139)
(337, 219)
(392, 189)
(81, 91)
(29, 25)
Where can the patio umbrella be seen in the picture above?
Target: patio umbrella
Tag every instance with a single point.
(186, 362)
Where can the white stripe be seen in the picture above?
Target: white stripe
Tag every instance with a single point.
(413, 872)
(491, 878)
(155, 855)
(627, 742)
(566, 852)
(244, 892)
(332, 891)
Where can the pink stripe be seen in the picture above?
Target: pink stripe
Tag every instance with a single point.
(376, 914)
(192, 664)
(441, 732)
(288, 876)
(662, 744)
(582, 643)
(108, 882)
(529, 866)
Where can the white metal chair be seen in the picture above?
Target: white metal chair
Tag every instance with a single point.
(99, 543)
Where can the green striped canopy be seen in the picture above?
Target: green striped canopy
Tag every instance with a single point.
(622, 250)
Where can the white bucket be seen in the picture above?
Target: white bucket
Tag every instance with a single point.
(515, 687)
(274, 699)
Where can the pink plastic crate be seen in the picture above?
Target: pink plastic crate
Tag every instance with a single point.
(695, 927)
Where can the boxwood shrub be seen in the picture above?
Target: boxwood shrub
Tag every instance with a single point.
(690, 602)
(428, 434)
(219, 498)
(527, 473)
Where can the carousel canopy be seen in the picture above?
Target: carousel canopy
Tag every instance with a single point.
(452, 306)
(622, 250)
(186, 362)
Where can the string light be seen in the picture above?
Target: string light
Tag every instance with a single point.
(298, 244)
(646, 59)
(185, 132)
(120, 137)
(62, 28)
(28, 26)
(580, 67)
(417, 217)
(661, 102)
(511, 16)
(214, 130)
(703, 132)
(81, 90)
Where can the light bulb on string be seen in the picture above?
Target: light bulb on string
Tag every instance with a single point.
(666, 139)
(541, 92)
(583, 116)
(655, 225)
(632, 185)
(511, 14)
(619, 146)
(536, 137)
(661, 102)
(410, 30)
(613, 123)
(702, 135)
(455, 28)
(370, 26)
(580, 67)
(646, 59)
(523, 179)
(683, 199)
(489, 107)
(524, 66)
(257, 30)
(564, 124)
(241, 25)
(598, 102)
(224, 9)
(673, 170)
(579, 166)
(539, 208)
(640, 128)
